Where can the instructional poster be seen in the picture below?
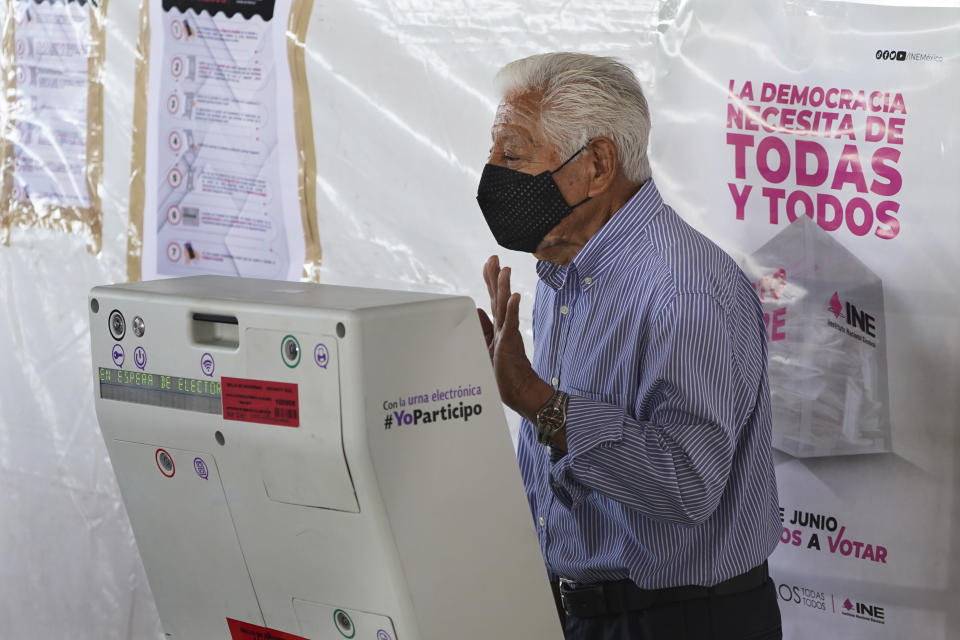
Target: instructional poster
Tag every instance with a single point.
(822, 150)
(224, 175)
(52, 149)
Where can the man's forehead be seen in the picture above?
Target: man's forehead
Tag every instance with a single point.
(512, 133)
(518, 115)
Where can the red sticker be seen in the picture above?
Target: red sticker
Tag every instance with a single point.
(260, 401)
(246, 631)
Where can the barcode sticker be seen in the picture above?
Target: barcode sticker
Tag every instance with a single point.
(260, 401)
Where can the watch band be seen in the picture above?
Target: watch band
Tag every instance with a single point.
(552, 417)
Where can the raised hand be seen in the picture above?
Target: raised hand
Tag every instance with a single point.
(521, 388)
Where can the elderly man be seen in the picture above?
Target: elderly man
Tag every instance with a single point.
(645, 444)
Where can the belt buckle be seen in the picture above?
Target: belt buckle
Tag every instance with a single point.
(582, 601)
(568, 583)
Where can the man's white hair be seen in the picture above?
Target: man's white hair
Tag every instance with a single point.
(584, 97)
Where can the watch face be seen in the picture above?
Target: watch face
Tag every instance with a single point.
(550, 418)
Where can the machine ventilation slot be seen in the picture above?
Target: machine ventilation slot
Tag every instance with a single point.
(216, 331)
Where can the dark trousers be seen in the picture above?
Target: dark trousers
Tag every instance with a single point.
(750, 615)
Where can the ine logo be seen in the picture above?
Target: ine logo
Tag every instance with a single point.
(855, 317)
(863, 611)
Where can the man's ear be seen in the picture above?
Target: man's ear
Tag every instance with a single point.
(606, 164)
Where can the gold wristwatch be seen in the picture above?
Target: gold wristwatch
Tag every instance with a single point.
(552, 417)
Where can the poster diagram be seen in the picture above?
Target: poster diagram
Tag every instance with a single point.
(223, 170)
(52, 143)
(825, 327)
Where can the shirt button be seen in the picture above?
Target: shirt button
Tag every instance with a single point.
(542, 522)
(555, 381)
(587, 280)
(564, 310)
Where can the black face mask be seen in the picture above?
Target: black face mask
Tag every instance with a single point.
(521, 208)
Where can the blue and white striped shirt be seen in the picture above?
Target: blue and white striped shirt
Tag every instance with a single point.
(659, 339)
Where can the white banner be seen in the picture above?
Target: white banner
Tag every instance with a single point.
(818, 143)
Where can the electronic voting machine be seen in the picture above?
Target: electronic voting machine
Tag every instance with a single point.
(311, 461)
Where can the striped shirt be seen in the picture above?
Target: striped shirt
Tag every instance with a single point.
(659, 339)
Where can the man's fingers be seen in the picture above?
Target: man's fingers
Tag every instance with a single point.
(489, 335)
(486, 326)
(503, 296)
(491, 270)
(512, 321)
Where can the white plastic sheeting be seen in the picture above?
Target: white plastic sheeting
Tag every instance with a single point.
(402, 101)
(69, 565)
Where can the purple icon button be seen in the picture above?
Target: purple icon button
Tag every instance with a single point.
(383, 635)
(207, 365)
(201, 468)
(321, 356)
(118, 355)
(140, 358)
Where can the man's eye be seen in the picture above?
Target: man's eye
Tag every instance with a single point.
(510, 158)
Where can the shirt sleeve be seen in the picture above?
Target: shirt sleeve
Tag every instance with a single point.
(675, 465)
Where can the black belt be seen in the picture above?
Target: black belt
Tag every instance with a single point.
(606, 598)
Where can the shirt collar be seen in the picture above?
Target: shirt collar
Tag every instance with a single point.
(618, 236)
